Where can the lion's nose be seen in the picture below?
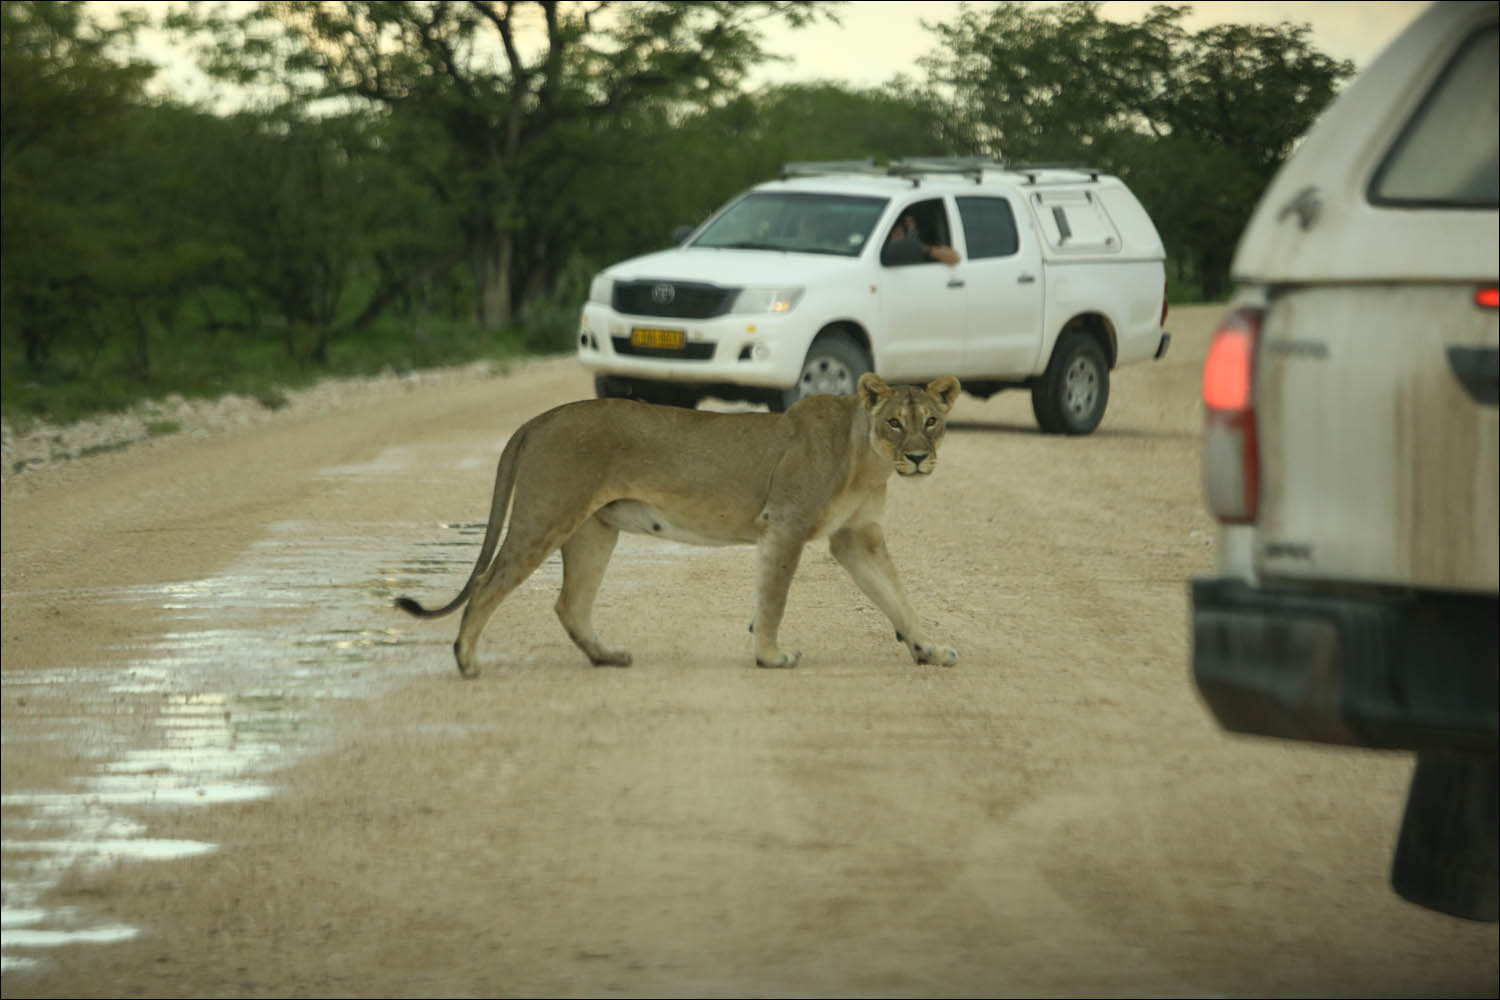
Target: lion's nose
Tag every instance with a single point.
(916, 458)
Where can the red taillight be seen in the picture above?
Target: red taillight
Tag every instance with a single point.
(1163, 302)
(1487, 298)
(1228, 370)
(1231, 453)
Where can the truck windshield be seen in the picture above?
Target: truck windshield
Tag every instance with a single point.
(795, 222)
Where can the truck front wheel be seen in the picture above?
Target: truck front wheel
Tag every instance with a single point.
(1072, 393)
(833, 367)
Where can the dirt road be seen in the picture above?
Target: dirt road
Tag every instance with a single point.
(201, 666)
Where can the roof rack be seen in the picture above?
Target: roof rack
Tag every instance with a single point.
(914, 168)
(972, 167)
(813, 168)
(1032, 171)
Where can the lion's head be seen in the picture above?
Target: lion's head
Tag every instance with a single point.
(907, 421)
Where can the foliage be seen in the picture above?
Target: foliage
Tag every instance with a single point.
(416, 183)
(65, 98)
(511, 123)
(1198, 122)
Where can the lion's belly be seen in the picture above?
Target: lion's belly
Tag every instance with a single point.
(686, 526)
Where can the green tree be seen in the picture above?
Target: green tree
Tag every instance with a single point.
(153, 251)
(65, 103)
(312, 205)
(1029, 83)
(663, 168)
(511, 87)
(1221, 107)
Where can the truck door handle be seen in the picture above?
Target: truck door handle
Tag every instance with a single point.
(956, 283)
(1026, 279)
(1478, 369)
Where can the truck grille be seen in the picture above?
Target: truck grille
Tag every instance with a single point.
(696, 351)
(674, 299)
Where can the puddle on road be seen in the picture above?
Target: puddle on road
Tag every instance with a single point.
(229, 692)
(209, 710)
(232, 689)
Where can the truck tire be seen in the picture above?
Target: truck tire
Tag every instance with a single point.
(1072, 393)
(833, 367)
(606, 387)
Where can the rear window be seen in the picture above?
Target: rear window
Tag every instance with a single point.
(1075, 221)
(1448, 155)
(989, 227)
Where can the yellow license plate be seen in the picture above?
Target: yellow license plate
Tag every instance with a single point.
(657, 340)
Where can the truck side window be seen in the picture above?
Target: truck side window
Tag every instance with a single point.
(1076, 222)
(920, 225)
(989, 227)
(1447, 154)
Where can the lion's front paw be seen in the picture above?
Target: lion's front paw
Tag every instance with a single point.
(931, 653)
(778, 660)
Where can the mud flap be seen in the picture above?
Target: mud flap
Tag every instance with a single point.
(1448, 855)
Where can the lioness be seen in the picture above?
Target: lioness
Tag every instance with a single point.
(585, 471)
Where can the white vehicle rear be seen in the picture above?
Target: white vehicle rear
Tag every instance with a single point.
(1351, 450)
(1371, 267)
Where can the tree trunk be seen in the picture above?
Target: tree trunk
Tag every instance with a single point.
(1213, 276)
(492, 252)
(141, 349)
(38, 344)
(39, 327)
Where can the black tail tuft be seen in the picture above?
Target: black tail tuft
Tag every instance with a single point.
(410, 606)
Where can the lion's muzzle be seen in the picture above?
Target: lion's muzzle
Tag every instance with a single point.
(916, 464)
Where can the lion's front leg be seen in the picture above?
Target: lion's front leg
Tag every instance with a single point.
(777, 556)
(861, 550)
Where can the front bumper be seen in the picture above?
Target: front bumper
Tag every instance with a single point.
(762, 351)
(1415, 673)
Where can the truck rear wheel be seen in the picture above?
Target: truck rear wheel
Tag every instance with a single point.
(1072, 393)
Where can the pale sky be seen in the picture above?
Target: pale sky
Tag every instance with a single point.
(877, 39)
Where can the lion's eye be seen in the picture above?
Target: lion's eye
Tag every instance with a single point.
(894, 423)
(931, 422)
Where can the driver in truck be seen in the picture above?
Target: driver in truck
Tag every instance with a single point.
(904, 246)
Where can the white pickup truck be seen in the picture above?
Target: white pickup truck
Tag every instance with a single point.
(1044, 279)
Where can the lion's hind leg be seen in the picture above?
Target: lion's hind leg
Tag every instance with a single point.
(525, 548)
(585, 556)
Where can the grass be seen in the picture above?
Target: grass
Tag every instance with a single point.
(78, 383)
(86, 380)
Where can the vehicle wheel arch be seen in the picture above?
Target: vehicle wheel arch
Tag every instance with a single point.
(852, 329)
(1097, 326)
(850, 353)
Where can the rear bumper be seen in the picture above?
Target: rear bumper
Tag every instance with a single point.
(1414, 674)
(1161, 348)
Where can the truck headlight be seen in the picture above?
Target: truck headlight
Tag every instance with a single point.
(602, 290)
(781, 299)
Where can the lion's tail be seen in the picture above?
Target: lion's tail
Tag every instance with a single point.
(505, 481)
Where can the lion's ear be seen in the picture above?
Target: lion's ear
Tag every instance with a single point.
(872, 390)
(945, 390)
